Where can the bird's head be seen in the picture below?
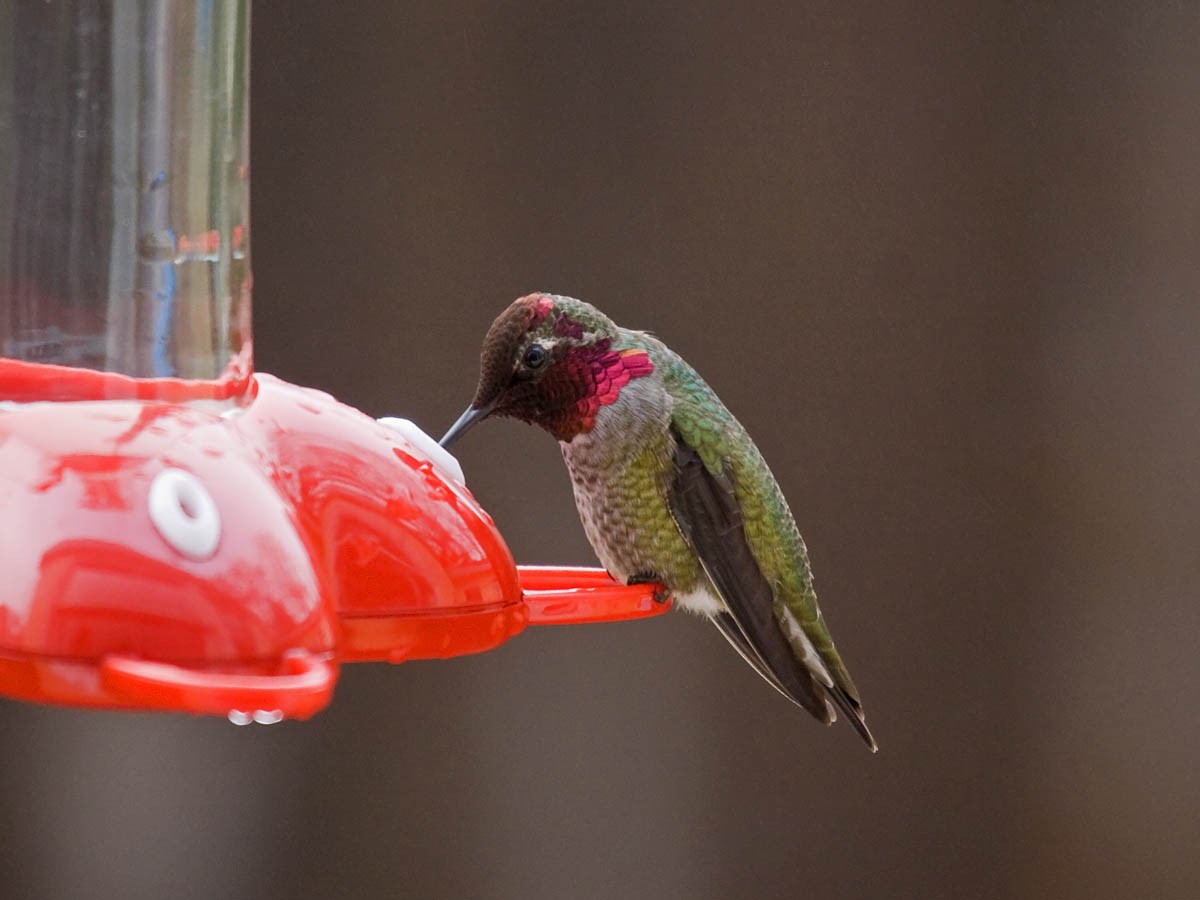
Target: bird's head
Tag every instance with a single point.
(551, 361)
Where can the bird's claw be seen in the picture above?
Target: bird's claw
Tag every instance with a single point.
(661, 593)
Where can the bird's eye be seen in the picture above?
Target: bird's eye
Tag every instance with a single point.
(535, 356)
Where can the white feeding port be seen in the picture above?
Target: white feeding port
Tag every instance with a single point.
(184, 513)
(431, 449)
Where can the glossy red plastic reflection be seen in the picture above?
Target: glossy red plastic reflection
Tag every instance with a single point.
(226, 559)
(566, 596)
(25, 382)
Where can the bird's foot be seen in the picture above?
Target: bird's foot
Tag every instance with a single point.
(661, 593)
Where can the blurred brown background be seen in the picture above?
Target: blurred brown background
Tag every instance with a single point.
(942, 263)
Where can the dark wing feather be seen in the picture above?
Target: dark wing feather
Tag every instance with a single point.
(732, 632)
(706, 510)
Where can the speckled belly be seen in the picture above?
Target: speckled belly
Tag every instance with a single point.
(622, 503)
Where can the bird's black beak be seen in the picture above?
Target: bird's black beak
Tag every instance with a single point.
(465, 421)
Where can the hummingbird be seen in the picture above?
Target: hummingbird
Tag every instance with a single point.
(670, 488)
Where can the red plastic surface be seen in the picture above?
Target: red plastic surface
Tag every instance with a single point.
(338, 541)
(25, 382)
(569, 596)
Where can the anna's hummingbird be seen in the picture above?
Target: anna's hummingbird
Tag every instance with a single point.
(670, 487)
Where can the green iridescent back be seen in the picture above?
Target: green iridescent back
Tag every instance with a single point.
(704, 423)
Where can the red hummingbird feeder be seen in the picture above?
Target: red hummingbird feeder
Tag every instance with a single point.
(180, 533)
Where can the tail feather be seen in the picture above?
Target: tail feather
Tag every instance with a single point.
(854, 714)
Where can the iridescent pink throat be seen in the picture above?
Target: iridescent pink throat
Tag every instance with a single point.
(604, 372)
(588, 377)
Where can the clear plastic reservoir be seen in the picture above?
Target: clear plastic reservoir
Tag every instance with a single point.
(124, 189)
